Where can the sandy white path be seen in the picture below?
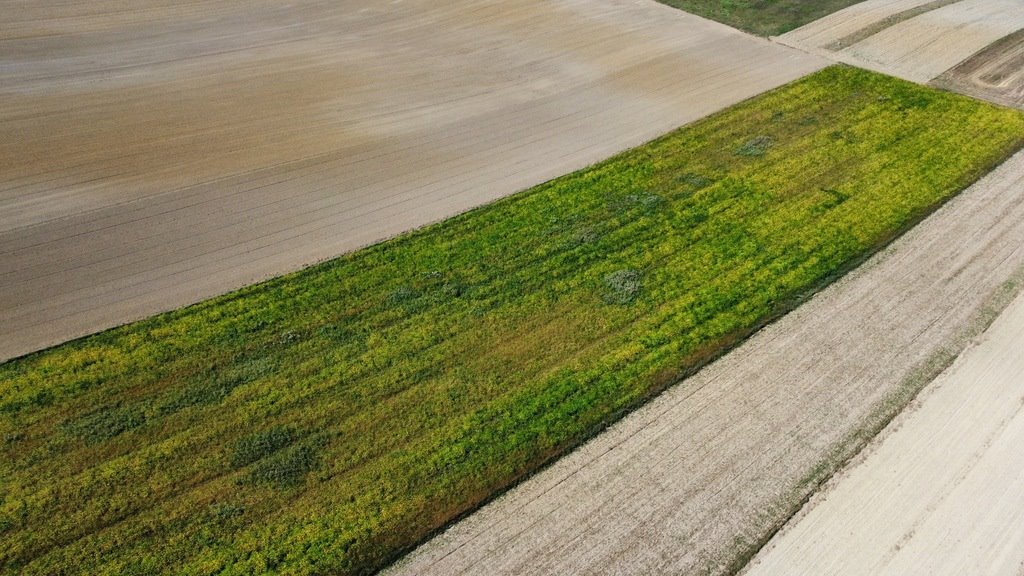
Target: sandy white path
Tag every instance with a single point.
(716, 464)
(941, 494)
(158, 152)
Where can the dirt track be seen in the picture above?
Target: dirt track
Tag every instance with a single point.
(940, 493)
(709, 469)
(158, 154)
(914, 39)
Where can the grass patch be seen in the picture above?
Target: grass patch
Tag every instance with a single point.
(285, 469)
(327, 420)
(762, 17)
(755, 146)
(260, 445)
(623, 286)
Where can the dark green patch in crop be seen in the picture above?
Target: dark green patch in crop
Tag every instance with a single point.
(402, 295)
(756, 146)
(201, 393)
(224, 511)
(105, 423)
(696, 181)
(833, 198)
(623, 286)
(253, 447)
(287, 468)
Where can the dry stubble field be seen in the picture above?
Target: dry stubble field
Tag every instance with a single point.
(939, 494)
(970, 46)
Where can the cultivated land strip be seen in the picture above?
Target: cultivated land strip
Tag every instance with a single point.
(875, 28)
(940, 492)
(924, 47)
(916, 39)
(996, 73)
(826, 32)
(156, 155)
(700, 477)
(325, 421)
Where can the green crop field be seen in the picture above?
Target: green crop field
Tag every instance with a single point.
(762, 17)
(325, 421)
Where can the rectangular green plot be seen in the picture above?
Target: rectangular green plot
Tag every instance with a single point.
(325, 421)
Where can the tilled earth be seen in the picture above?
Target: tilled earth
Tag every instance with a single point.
(156, 153)
(970, 46)
(939, 493)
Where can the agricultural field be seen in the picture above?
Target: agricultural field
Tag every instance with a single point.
(761, 17)
(939, 492)
(970, 46)
(156, 153)
(700, 478)
(995, 73)
(330, 419)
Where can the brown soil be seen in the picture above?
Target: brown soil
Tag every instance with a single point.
(929, 38)
(155, 153)
(995, 73)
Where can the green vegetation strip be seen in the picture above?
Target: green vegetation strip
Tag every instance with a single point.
(325, 421)
(762, 17)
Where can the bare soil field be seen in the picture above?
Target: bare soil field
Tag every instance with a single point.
(698, 479)
(996, 73)
(939, 492)
(839, 29)
(920, 40)
(158, 154)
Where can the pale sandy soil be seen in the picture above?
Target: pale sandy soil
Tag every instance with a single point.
(996, 73)
(919, 48)
(941, 493)
(157, 152)
(825, 32)
(924, 47)
(706, 472)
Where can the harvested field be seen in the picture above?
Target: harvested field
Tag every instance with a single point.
(839, 29)
(324, 421)
(940, 493)
(696, 480)
(887, 22)
(920, 39)
(996, 73)
(924, 47)
(158, 153)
